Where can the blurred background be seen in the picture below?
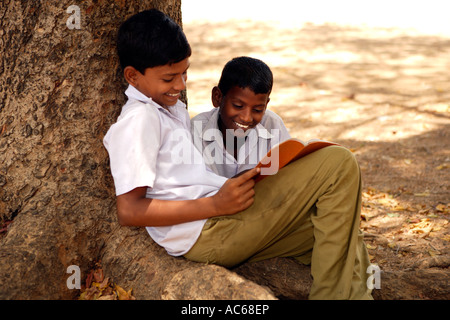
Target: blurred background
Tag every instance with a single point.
(353, 63)
(425, 16)
(370, 75)
(291, 34)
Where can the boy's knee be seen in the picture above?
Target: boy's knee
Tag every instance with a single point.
(341, 157)
(341, 153)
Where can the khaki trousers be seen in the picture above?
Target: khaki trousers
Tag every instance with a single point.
(309, 210)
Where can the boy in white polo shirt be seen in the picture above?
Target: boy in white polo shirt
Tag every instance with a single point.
(239, 131)
(310, 210)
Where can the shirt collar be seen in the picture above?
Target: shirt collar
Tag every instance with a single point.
(213, 124)
(133, 93)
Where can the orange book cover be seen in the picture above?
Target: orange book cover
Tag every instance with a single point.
(286, 152)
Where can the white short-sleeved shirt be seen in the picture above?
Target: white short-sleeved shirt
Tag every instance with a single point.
(208, 140)
(150, 146)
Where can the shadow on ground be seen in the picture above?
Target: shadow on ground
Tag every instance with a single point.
(384, 94)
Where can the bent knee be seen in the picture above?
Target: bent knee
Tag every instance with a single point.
(340, 156)
(340, 153)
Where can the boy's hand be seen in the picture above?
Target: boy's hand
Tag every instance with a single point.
(236, 194)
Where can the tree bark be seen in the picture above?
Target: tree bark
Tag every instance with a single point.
(131, 257)
(60, 90)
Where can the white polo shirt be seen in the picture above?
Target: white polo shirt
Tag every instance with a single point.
(259, 140)
(150, 146)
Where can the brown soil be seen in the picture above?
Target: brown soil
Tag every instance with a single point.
(384, 94)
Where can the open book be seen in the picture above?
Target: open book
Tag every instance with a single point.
(286, 152)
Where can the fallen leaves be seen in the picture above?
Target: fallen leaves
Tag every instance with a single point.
(422, 194)
(98, 287)
(422, 227)
(396, 227)
(375, 199)
(442, 208)
(442, 166)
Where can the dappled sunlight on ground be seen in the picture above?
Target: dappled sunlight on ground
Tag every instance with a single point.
(384, 93)
(329, 75)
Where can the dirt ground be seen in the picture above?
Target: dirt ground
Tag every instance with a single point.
(384, 94)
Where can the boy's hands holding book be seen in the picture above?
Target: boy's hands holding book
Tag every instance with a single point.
(236, 194)
(134, 209)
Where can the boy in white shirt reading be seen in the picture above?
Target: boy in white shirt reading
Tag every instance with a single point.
(309, 210)
(235, 135)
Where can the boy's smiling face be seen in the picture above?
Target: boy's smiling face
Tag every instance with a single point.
(162, 83)
(240, 108)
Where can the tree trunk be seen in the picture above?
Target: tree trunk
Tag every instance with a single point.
(60, 90)
(131, 257)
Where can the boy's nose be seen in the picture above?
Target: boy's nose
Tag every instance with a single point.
(246, 116)
(180, 84)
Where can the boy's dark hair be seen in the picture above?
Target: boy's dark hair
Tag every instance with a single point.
(150, 39)
(246, 72)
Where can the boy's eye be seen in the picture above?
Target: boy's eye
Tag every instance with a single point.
(257, 110)
(237, 106)
(167, 80)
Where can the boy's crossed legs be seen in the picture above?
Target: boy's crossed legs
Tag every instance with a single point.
(309, 210)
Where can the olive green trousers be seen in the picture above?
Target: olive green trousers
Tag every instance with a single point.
(309, 210)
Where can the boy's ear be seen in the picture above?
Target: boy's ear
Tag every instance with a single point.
(131, 75)
(216, 97)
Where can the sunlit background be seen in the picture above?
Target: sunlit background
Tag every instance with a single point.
(431, 16)
(340, 67)
(371, 75)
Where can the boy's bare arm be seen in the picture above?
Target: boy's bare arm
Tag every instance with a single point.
(236, 195)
